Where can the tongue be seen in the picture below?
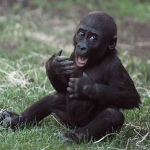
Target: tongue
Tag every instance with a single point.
(80, 61)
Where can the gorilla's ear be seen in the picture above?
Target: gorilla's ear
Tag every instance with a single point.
(112, 43)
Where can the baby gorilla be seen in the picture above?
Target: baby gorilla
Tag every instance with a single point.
(91, 86)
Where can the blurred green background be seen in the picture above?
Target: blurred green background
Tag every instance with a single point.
(33, 30)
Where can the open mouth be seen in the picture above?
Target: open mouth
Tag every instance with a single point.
(80, 61)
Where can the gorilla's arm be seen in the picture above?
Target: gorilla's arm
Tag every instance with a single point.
(120, 91)
(126, 98)
(57, 70)
(123, 96)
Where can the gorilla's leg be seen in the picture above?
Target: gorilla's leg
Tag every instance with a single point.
(36, 112)
(65, 118)
(107, 121)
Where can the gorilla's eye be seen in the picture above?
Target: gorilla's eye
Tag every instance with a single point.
(81, 33)
(93, 38)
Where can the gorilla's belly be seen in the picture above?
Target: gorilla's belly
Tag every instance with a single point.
(81, 111)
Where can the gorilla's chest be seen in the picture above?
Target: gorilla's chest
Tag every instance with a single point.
(95, 73)
(78, 73)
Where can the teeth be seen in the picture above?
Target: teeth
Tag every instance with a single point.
(81, 60)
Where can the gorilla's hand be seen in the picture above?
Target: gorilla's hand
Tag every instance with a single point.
(61, 66)
(58, 65)
(78, 86)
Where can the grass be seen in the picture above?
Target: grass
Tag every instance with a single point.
(28, 39)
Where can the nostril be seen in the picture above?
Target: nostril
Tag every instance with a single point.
(83, 48)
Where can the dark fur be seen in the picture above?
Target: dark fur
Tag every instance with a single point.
(97, 91)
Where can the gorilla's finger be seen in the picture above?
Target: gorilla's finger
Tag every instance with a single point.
(65, 63)
(59, 52)
(62, 58)
(71, 79)
(67, 72)
(69, 89)
(70, 84)
(67, 68)
(6, 122)
(85, 75)
(73, 96)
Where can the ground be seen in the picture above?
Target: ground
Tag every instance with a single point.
(33, 30)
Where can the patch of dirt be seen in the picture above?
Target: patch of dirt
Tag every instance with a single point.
(9, 45)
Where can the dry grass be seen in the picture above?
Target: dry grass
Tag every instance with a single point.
(27, 40)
